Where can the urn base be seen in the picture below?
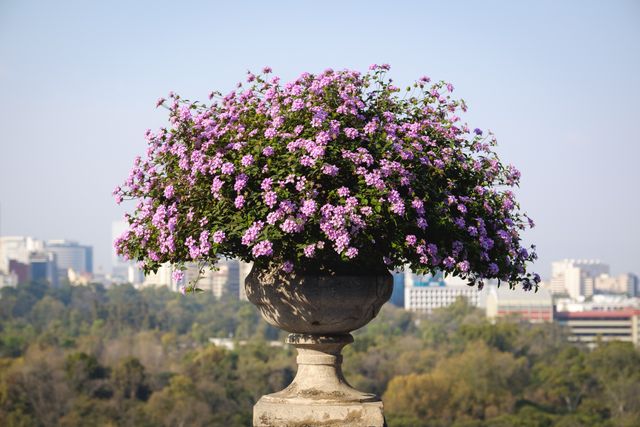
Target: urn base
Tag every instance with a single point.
(319, 394)
(292, 414)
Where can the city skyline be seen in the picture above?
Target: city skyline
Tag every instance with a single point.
(80, 84)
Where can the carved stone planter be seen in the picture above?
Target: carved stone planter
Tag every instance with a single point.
(319, 312)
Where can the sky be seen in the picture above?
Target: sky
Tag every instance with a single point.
(557, 82)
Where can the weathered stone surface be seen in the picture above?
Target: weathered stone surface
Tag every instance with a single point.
(319, 394)
(315, 304)
(320, 311)
(368, 414)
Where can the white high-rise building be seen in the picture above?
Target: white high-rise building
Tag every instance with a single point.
(17, 248)
(425, 293)
(576, 277)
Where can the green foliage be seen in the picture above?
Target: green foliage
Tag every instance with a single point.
(81, 356)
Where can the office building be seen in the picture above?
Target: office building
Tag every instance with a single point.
(591, 326)
(8, 280)
(42, 268)
(21, 270)
(599, 302)
(163, 277)
(221, 281)
(397, 296)
(424, 293)
(576, 278)
(71, 256)
(17, 248)
(622, 284)
(532, 306)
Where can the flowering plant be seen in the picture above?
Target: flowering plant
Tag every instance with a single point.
(327, 172)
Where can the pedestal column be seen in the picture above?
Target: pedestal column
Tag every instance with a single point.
(319, 394)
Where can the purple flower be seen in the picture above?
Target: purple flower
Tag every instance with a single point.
(216, 185)
(463, 266)
(270, 133)
(252, 233)
(270, 198)
(493, 269)
(308, 207)
(418, 205)
(267, 151)
(411, 240)
(227, 168)
(477, 131)
(343, 192)
(263, 248)
(371, 127)
(421, 223)
(239, 202)
(219, 236)
(351, 252)
(287, 267)
(448, 262)
(177, 275)
(297, 104)
(309, 251)
(351, 133)
(290, 225)
(241, 182)
(168, 192)
(330, 170)
(247, 160)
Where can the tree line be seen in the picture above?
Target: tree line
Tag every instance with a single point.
(87, 355)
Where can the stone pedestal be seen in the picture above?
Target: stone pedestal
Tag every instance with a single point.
(319, 395)
(319, 311)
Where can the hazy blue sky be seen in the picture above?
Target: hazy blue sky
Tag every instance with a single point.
(558, 82)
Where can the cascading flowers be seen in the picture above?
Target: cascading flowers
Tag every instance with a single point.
(328, 172)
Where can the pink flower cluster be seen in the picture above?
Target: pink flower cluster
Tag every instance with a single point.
(271, 171)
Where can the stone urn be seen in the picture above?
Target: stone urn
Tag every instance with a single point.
(319, 311)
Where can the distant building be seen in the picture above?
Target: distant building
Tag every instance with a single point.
(43, 268)
(162, 277)
(424, 293)
(21, 270)
(576, 278)
(223, 280)
(598, 303)
(71, 256)
(621, 284)
(8, 280)
(590, 326)
(532, 306)
(17, 248)
(397, 296)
